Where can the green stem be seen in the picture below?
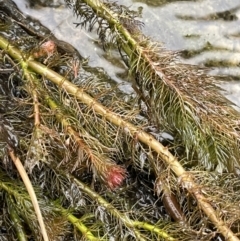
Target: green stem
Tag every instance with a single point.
(154, 229)
(80, 226)
(16, 221)
(104, 12)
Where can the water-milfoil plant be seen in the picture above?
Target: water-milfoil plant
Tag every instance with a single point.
(179, 98)
(82, 136)
(186, 179)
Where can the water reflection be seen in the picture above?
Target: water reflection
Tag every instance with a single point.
(205, 32)
(217, 38)
(227, 15)
(161, 2)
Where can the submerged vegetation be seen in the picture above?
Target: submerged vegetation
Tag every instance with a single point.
(80, 160)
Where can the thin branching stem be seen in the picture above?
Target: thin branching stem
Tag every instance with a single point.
(36, 108)
(79, 225)
(16, 220)
(31, 82)
(31, 192)
(154, 229)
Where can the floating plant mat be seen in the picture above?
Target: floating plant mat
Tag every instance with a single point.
(106, 165)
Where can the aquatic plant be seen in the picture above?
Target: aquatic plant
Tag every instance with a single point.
(180, 99)
(86, 146)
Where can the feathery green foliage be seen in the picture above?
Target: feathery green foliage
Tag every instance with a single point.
(180, 99)
(80, 140)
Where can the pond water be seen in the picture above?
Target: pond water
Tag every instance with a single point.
(207, 33)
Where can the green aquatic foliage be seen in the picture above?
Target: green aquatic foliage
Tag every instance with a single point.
(100, 171)
(180, 99)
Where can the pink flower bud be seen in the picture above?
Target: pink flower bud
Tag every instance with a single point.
(115, 176)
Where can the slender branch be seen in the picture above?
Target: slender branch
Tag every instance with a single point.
(16, 221)
(79, 225)
(154, 229)
(36, 108)
(31, 192)
(34, 94)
